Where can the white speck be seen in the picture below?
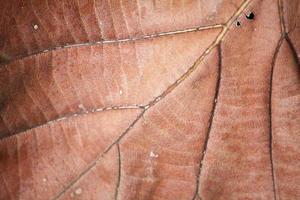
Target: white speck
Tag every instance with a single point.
(81, 106)
(44, 180)
(78, 191)
(60, 119)
(215, 100)
(146, 107)
(35, 27)
(153, 155)
(121, 92)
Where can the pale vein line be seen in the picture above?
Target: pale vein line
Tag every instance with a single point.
(77, 114)
(6, 186)
(39, 20)
(97, 18)
(81, 20)
(94, 163)
(67, 24)
(144, 37)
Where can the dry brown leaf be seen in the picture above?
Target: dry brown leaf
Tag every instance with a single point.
(150, 99)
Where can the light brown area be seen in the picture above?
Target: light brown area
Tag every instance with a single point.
(40, 163)
(291, 11)
(237, 161)
(149, 99)
(100, 182)
(56, 84)
(170, 131)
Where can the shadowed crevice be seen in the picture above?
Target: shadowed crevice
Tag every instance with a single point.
(213, 110)
(285, 34)
(119, 171)
(270, 116)
(293, 49)
(281, 17)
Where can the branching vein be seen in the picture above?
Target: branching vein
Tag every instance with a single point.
(152, 103)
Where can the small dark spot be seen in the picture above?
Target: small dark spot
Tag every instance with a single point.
(4, 58)
(238, 23)
(250, 16)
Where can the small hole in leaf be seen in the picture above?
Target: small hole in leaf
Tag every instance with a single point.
(250, 16)
(238, 23)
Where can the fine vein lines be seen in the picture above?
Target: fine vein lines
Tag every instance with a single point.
(215, 100)
(94, 163)
(215, 43)
(73, 115)
(144, 37)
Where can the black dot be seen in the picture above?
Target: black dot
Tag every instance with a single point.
(238, 23)
(250, 16)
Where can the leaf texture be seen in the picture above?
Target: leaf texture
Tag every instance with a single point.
(31, 26)
(110, 99)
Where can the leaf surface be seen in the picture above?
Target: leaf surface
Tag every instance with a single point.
(194, 100)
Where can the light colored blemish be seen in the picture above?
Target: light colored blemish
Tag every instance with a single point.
(44, 180)
(121, 92)
(216, 100)
(35, 27)
(146, 107)
(81, 106)
(153, 155)
(60, 119)
(78, 191)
